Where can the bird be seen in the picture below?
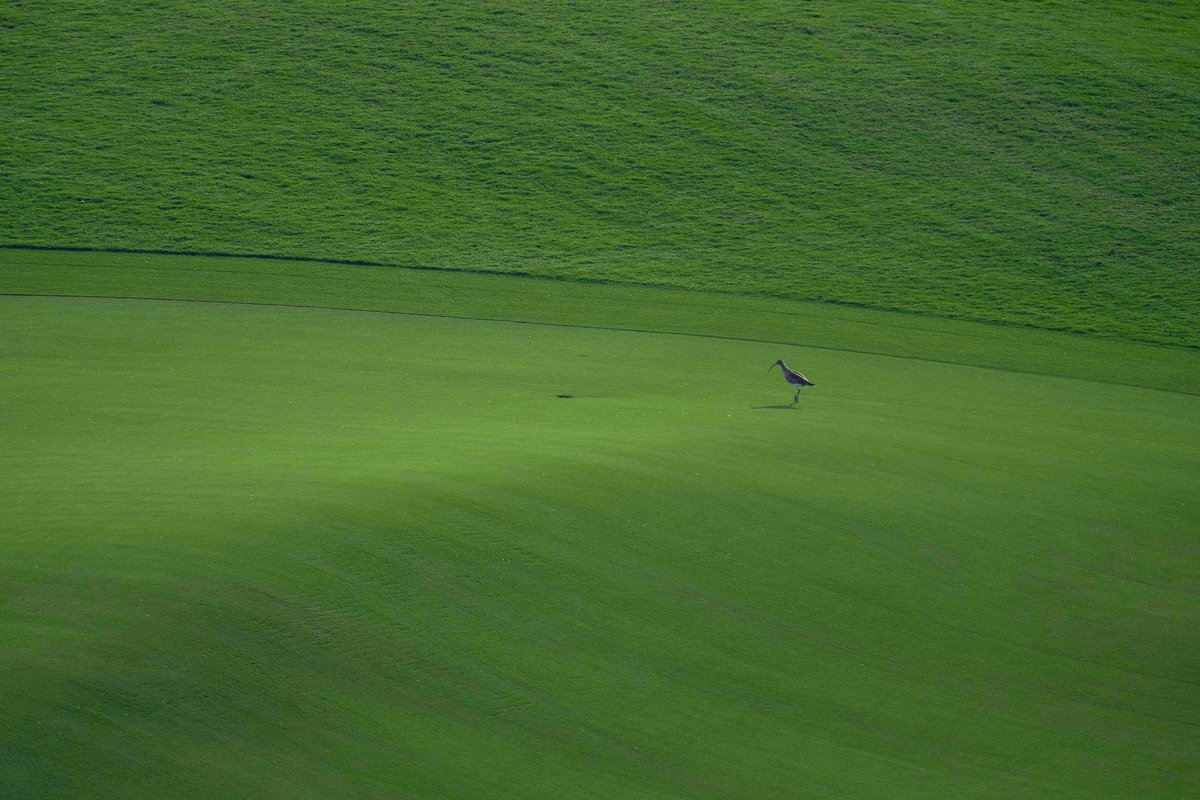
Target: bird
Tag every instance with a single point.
(792, 377)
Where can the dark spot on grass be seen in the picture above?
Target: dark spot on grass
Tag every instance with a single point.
(566, 396)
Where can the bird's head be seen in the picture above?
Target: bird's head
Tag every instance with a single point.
(778, 363)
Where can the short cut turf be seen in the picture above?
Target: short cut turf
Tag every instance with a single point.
(256, 551)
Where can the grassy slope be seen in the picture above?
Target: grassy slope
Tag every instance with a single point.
(481, 296)
(380, 551)
(256, 552)
(1022, 162)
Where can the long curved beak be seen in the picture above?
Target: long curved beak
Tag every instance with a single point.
(773, 366)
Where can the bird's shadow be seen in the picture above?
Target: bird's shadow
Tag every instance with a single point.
(763, 408)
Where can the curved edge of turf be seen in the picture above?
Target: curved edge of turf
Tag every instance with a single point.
(364, 287)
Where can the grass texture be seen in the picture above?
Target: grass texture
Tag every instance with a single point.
(262, 552)
(1029, 163)
(569, 303)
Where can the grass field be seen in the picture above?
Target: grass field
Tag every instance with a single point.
(256, 551)
(474, 483)
(1021, 162)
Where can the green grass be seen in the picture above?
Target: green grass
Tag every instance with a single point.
(255, 551)
(481, 296)
(1029, 163)
(294, 529)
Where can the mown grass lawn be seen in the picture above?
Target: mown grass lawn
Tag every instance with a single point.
(281, 552)
(275, 528)
(1020, 162)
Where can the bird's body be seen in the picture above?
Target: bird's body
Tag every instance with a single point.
(792, 377)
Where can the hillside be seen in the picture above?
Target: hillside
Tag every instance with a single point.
(1022, 163)
(257, 551)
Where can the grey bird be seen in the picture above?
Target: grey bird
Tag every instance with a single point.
(792, 377)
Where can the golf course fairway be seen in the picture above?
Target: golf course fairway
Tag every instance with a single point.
(270, 551)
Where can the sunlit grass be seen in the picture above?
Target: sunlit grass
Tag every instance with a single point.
(1018, 162)
(278, 552)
